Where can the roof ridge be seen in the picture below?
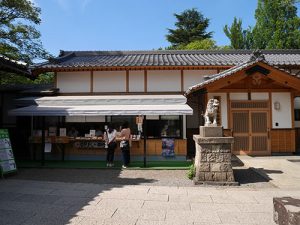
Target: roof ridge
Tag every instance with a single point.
(167, 52)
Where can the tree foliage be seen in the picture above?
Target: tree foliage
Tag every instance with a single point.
(239, 38)
(191, 26)
(19, 38)
(277, 25)
(202, 44)
(12, 78)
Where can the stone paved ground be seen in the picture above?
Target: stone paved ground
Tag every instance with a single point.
(53, 196)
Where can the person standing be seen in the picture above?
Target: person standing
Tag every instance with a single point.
(125, 144)
(110, 138)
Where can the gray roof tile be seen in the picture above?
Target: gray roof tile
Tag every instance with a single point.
(69, 59)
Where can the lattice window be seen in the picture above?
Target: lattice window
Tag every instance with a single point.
(240, 122)
(259, 122)
(241, 143)
(249, 104)
(259, 143)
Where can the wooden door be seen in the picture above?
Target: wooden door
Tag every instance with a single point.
(250, 129)
(259, 132)
(241, 129)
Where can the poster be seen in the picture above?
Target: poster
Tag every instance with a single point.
(7, 161)
(62, 132)
(168, 147)
(48, 147)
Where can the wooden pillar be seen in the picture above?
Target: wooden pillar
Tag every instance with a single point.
(182, 81)
(92, 81)
(145, 81)
(127, 81)
(43, 142)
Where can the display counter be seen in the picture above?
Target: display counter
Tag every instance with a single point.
(96, 146)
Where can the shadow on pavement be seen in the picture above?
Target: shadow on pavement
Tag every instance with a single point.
(65, 196)
(248, 176)
(91, 176)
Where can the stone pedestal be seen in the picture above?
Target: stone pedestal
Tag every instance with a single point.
(213, 157)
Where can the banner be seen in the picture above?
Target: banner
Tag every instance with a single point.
(168, 147)
(7, 160)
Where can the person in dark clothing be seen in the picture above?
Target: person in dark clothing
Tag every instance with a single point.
(110, 138)
(125, 144)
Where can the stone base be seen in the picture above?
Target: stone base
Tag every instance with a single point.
(215, 131)
(213, 157)
(215, 183)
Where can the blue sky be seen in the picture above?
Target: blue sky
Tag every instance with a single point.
(129, 24)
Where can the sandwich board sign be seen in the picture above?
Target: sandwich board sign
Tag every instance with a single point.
(7, 160)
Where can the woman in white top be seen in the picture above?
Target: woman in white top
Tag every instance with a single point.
(110, 138)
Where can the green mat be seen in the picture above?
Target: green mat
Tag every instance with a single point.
(163, 165)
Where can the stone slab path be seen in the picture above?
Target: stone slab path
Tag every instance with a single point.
(133, 197)
(282, 171)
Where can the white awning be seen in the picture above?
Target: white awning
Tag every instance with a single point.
(145, 105)
(107, 100)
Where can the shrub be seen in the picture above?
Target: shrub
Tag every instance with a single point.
(192, 172)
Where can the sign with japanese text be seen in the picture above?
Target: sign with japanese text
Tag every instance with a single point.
(7, 160)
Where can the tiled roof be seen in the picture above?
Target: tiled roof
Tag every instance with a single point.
(9, 65)
(78, 59)
(212, 78)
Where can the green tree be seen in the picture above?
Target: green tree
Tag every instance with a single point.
(205, 44)
(12, 78)
(239, 38)
(19, 38)
(235, 34)
(277, 25)
(191, 25)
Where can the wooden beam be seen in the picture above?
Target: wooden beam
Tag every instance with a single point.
(145, 81)
(92, 81)
(254, 90)
(285, 79)
(182, 80)
(127, 80)
(55, 79)
(114, 68)
(223, 82)
(228, 112)
(281, 76)
(292, 110)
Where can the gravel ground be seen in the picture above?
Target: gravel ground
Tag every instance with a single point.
(246, 177)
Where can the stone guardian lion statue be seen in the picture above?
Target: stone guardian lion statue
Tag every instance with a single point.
(211, 112)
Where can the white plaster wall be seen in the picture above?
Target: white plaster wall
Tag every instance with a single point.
(109, 81)
(69, 82)
(224, 110)
(163, 80)
(193, 77)
(75, 119)
(259, 96)
(282, 116)
(136, 81)
(238, 96)
(96, 119)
